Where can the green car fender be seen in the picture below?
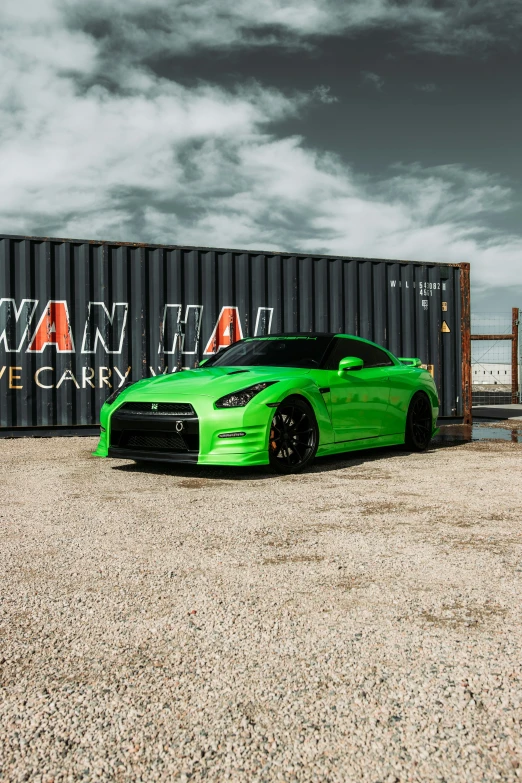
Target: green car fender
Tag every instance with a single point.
(309, 391)
(426, 384)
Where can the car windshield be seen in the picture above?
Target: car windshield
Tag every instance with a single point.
(305, 352)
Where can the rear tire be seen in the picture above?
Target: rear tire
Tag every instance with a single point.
(293, 437)
(419, 423)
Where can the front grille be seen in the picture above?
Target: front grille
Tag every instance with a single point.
(152, 441)
(159, 408)
(136, 429)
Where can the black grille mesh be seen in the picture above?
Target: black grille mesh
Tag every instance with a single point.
(161, 409)
(170, 441)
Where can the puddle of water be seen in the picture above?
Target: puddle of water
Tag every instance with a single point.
(479, 432)
(464, 433)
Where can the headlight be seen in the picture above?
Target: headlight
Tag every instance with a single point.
(116, 393)
(241, 398)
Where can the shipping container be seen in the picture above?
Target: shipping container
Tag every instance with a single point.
(78, 318)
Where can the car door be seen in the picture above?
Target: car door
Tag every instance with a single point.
(359, 398)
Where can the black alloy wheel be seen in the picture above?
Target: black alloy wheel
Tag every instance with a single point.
(419, 423)
(294, 436)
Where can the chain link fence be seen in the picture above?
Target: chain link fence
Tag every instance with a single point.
(495, 358)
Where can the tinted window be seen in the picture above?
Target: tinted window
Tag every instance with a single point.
(306, 352)
(370, 354)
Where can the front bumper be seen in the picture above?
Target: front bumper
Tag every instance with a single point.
(137, 437)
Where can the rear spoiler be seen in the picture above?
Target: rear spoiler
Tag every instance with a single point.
(411, 362)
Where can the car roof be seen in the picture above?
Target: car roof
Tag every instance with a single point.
(294, 334)
(331, 335)
(282, 335)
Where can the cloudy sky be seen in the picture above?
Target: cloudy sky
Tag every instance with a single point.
(382, 128)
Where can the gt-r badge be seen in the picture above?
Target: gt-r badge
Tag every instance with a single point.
(154, 406)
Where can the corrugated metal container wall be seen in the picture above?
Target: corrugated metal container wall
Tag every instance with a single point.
(77, 317)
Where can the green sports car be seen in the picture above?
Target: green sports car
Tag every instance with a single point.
(279, 400)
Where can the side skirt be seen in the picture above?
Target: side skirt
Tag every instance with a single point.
(360, 445)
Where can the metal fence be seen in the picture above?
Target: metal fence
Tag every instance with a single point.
(495, 358)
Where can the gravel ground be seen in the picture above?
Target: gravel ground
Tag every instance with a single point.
(357, 623)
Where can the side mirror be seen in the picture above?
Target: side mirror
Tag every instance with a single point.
(349, 364)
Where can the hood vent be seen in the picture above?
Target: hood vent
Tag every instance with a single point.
(236, 372)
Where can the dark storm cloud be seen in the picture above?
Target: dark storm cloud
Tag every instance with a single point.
(153, 120)
(139, 27)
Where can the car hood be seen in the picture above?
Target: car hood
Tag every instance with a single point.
(212, 381)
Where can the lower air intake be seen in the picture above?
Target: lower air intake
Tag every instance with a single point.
(170, 441)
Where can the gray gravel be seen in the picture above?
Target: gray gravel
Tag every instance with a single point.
(358, 623)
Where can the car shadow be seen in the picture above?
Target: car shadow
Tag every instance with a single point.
(327, 464)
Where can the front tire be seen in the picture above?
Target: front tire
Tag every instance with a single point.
(294, 436)
(419, 423)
